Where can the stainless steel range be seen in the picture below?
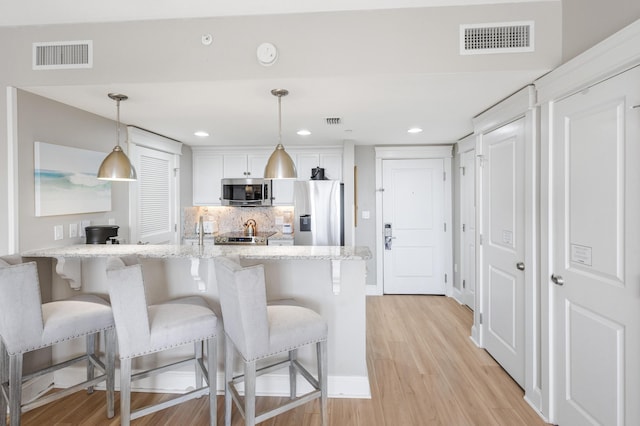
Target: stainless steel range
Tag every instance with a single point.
(239, 238)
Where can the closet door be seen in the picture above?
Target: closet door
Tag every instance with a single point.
(503, 246)
(595, 246)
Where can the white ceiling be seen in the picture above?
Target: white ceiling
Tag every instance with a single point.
(375, 110)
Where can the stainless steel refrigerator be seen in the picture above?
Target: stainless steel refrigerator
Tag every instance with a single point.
(318, 209)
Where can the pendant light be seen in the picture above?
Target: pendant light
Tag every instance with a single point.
(280, 164)
(116, 165)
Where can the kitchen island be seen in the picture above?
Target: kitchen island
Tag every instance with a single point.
(330, 280)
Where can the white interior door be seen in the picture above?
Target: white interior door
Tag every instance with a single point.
(414, 221)
(503, 246)
(468, 231)
(595, 243)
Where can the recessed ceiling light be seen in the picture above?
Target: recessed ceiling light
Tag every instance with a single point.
(303, 132)
(201, 134)
(414, 130)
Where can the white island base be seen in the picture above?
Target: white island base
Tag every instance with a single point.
(309, 280)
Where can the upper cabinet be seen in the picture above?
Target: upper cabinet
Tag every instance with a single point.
(212, 164)
(207, 174)
(245, 165)
(330, 161)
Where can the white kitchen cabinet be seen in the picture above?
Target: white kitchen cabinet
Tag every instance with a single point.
(207, 173)
(331, 162)
(282, 192)
(244, 165)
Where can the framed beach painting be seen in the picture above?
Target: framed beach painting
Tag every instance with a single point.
(66, 181)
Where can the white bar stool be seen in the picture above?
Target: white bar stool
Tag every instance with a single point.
(144, 330)
(259, 331)
(26, 325)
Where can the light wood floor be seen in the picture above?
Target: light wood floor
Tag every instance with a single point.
(423, 370)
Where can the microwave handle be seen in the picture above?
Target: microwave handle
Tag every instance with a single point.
(244, 202)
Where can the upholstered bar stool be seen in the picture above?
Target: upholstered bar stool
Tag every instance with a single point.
(26, 325)
(259, 331)
(144, 330)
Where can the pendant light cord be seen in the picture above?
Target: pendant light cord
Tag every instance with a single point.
(117, 122)
(280, 119)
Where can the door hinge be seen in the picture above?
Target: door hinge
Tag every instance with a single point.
(480, 239)
(463, 169)
(444, 176)
(464, 228)
(482, 159)
(445, 278)
(445, 227)
(175, 172)
(175, 227)
(464, 284)
(480, 317)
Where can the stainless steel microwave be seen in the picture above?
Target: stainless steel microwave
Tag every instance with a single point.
(246, 192)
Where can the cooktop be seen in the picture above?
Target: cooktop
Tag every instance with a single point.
(260, 238)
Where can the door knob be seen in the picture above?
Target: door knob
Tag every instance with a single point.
(520, 266)
(557, 279)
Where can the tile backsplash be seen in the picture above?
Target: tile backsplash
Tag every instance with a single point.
(231, 219)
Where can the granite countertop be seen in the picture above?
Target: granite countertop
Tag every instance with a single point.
(205, 252)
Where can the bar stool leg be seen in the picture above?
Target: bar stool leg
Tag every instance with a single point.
(228, 376)
(125, 391)
(4, 378)
(321, 353)
(110, 366)
(90, 341)
(197, 350)
(15, 388)
(212, 368)
(250, 393)
(293, 355)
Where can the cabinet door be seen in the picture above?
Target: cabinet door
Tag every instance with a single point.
(332, 164)
(235, 166)
(282, 192)
(305, 162)
(256, 164)
(207, 173)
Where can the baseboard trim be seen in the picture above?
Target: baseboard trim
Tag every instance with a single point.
(268, 385)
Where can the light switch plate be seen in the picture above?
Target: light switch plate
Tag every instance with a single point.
(73, 230)
(366, 214)
(58, 231)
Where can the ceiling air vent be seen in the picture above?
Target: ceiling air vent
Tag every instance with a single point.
(504, 37)
(63, 55)
(333, 120)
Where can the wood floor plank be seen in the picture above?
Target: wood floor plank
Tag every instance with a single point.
(423, 370)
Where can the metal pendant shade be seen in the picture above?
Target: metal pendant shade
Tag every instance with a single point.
(280, 164)
(116, 165)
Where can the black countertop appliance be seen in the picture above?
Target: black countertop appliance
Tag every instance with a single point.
(100, 234)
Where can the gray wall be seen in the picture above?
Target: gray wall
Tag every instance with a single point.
(43, 120)
(587, 22)
(365, 235)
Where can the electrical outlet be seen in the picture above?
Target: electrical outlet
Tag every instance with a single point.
(58, 232)
(366, 214)
(84, 224)
(73, 230)
(208, 227)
